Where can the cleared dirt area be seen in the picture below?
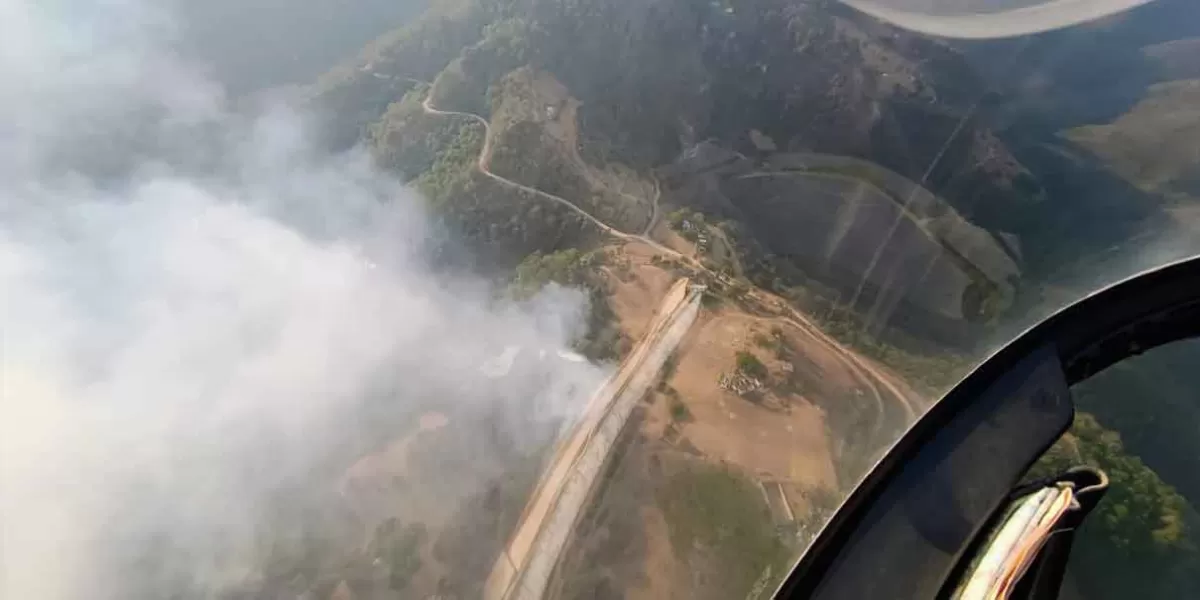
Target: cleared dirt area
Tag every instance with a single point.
(673, 240)
(779, 434)
(638, 288)
(815, 405)
(705, 449)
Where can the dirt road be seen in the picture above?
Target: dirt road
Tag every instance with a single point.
(872, 375)
(870, 371)
(654, 210)
(485, 155)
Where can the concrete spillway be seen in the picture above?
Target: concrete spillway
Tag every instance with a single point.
(523, 570)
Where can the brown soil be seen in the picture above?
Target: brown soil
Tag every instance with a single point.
(663, 233)
(781, 434)
(638, 288)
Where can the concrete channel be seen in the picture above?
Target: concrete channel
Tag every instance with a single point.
(524, 569)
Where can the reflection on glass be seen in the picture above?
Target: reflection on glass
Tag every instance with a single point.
(802, 226)
(672, 276)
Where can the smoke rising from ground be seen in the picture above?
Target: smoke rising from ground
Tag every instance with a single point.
(204, 319)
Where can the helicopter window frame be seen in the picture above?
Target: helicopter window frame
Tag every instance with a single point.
(1144, 311)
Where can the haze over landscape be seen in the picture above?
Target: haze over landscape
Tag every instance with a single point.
(548, 298)
(198, 339)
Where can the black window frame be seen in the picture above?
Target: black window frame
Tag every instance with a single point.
(1137, 314)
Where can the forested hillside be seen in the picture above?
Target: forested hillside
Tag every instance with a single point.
(1064, 99)
(1002, 131)
(252, 45)
(640, 84)
(920, 199)
(562, 299)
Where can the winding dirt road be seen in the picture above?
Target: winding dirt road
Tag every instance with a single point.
(654, 213)
(485, 155)
(870, 374)
(525, 565)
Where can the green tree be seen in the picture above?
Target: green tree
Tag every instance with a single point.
(750, 365)
(679, 410)
(1140, 541)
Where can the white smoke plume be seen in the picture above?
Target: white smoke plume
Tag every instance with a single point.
(202, 315)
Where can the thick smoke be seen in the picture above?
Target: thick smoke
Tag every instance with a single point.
(205, 321)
